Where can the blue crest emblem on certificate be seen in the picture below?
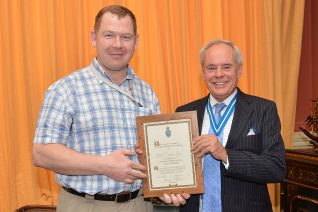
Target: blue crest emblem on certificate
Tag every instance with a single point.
(168, 132)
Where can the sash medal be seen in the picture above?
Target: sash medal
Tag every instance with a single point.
(218, 128)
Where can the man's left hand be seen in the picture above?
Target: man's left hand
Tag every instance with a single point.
(175, 199)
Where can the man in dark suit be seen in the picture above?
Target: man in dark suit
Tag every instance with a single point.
(247, 144)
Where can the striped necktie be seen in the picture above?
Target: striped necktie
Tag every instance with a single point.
(211, 171)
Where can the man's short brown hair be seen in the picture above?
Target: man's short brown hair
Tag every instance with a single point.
(117, 10)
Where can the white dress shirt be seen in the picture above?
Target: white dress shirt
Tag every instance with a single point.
(227, 127)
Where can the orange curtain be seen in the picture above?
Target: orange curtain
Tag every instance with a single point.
(43, 40)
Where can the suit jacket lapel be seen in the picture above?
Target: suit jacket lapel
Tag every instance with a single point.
(200, 111)
(241, 116)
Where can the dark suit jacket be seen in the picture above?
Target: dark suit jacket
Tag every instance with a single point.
(255, 160)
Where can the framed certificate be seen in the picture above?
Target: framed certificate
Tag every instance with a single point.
(166, 142)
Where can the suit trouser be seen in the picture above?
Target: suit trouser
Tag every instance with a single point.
(72, 203)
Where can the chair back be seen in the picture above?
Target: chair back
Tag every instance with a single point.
(37, 208)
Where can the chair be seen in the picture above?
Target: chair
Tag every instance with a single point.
(302, 203)
(37, 208)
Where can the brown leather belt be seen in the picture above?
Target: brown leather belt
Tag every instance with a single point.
(124, 196)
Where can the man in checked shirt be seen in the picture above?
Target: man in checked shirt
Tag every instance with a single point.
(86, 130)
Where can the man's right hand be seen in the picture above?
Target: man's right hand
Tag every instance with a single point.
(209, 144)
(64, 160)
(120, 168)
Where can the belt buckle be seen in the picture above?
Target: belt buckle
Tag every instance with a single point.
(122, 196)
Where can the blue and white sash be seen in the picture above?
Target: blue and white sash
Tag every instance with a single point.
(218, 127)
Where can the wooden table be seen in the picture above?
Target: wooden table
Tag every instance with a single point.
(299, 191)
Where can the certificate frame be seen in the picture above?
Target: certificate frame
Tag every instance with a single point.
(166, 142)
